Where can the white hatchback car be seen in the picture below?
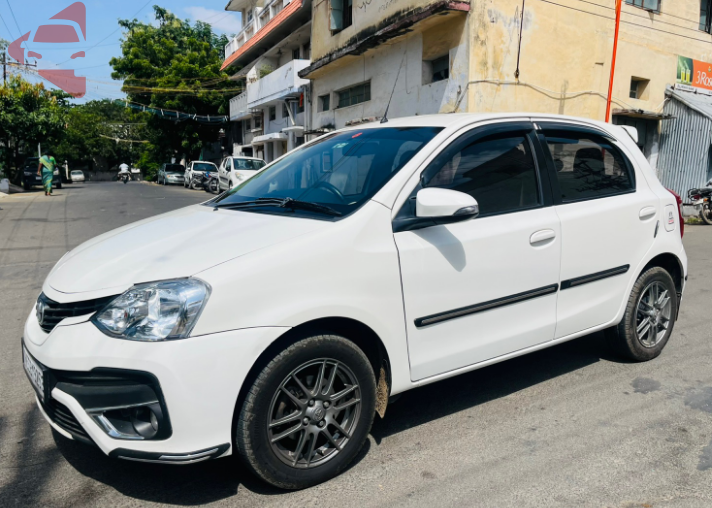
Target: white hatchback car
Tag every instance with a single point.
(368, 262)
(77, 175)
(235, 170)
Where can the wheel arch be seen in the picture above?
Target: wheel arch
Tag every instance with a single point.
(357, 332)
(672, 264)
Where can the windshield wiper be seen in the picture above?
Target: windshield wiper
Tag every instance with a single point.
(293, 204)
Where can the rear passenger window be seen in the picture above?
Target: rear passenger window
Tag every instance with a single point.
(588, 166)
(498, 171)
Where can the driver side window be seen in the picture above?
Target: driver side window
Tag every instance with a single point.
(497, 170)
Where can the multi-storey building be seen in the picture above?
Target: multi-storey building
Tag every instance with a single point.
(554, 56)
(272, 46)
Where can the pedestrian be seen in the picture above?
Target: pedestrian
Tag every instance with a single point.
(46, 170)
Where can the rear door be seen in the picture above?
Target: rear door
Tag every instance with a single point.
(608, 220)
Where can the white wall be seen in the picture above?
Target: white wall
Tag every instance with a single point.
(380, 66)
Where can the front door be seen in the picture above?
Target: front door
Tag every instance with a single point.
(224, 173)
(481, 289)
(608, 220)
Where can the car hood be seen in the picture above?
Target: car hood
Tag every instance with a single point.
(177, 244)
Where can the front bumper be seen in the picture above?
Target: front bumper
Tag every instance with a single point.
(198, 380)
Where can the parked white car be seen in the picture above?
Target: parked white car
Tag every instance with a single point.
(275, 320)
(197, 167)
(235, 170)
(76, 175)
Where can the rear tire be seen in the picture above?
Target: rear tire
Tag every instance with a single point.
(706, 216)
(321, 431)
(649, 317)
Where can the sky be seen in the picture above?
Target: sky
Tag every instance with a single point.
(103, 37)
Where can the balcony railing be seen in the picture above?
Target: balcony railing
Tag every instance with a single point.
(259, 20)
(238, 107)
(277, 84)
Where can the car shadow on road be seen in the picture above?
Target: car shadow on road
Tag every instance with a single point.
(192, 485)
(220, 479)
(438, 400)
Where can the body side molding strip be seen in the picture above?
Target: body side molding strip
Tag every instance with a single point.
(481, 307)
(578, 281)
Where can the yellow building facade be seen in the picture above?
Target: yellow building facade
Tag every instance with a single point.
(550, 56)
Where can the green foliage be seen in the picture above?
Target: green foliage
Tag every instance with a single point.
(176, 66)
(29, 114)
(90, 137)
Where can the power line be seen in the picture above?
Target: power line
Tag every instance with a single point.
(623, 21)
(6, 27)
(13, 16)
(112, 33)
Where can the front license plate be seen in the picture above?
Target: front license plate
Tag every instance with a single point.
(34, 372)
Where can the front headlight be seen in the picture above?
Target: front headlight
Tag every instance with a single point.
(155, 311)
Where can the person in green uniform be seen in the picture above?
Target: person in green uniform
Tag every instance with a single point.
(46, 170)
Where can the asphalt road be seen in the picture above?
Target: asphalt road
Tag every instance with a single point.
(569, 426)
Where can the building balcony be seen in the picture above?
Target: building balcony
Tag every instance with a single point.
(260, 19)
(278, 84)
(238, 107)
(269, 25)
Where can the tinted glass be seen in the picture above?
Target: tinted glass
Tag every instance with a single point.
(203, 166)
(247, 164)
(498, 171)
(587, 166)
(341, 171)
(174, 168)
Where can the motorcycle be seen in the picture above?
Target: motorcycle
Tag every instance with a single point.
(702, 199)
(197, 181)
(125, 177)
(210, 183)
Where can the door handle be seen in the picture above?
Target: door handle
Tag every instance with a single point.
(545, 235)
(647, 213)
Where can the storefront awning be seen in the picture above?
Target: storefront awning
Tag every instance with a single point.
(700, 100)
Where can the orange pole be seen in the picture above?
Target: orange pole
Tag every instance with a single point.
(613, 60)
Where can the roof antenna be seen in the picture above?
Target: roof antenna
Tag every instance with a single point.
(385, 114)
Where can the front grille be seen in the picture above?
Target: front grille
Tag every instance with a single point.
(54, 312)
(63, 417)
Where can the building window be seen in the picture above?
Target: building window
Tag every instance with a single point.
(285, 111)
(258, 122)
(295, 54)
(649, 5)
(354, 95)
(325, 102)
(706, 15)
(249, 16)
(300, 104)
(299, 140)
(272, 113)
(639, 88)
(341, 14)
(307, 50)
(440, 68)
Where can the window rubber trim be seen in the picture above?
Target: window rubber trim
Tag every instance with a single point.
(441, 317)
(586, 279)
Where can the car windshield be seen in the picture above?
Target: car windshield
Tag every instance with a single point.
(340, 171)
(77, 172)
(238, 163)
(204, 166)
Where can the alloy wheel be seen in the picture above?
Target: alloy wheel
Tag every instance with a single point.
(653, 314)
(314, 413)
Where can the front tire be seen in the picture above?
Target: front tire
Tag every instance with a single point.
(308, 413)
(649, 317)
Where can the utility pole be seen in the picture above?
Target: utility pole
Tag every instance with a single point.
(4, 69)
(613, 61)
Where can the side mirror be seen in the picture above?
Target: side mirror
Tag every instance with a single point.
(445, 205)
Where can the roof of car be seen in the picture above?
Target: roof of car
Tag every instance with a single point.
(246, 158)
(459, 119)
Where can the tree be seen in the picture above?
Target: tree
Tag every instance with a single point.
(92, 131)
(175, 66)
(29, 114)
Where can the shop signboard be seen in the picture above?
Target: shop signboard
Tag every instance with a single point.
(694, 75)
